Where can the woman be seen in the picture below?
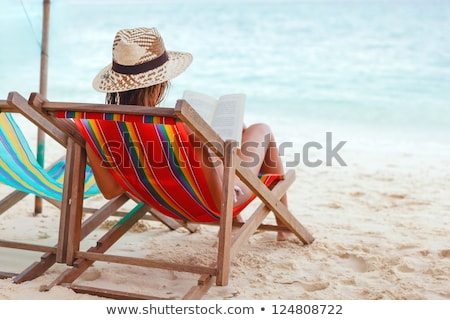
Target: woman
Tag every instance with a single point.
(139, 75)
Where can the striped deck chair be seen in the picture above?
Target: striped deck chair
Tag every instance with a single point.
(20, 170)
(150, 154)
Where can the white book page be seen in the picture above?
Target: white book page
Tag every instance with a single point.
(229, 117)
(202, 103)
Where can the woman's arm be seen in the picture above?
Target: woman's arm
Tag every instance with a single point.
(106, 182)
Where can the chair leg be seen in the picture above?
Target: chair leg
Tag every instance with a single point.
(226, 215)
(11, 199)
(36, 269)
(198, 291)
(255, 221)
(72, 203)
(274, 204)
(103, 244)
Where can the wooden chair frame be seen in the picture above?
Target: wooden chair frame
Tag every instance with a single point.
(17, 195)
(75, 152)
(229, 241)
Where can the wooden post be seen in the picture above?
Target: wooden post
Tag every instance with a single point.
(43, 91)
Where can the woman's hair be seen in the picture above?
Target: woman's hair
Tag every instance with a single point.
(148, 96)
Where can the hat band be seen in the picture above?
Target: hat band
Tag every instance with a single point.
(140, 68)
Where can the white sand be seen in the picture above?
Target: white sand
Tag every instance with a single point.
(381, 226)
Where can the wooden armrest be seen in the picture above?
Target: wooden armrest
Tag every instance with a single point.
(5, 107)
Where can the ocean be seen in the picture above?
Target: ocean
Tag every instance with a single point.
(363, 70)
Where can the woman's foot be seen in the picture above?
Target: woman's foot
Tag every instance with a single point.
(286, 236)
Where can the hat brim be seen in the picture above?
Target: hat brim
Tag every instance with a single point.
(107, 80)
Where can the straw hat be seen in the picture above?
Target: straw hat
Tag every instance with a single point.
(140, 60)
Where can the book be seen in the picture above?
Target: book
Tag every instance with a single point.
(225, 114)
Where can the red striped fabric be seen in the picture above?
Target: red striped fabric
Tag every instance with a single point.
(156, 163)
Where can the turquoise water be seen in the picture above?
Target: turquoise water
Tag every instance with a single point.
(378, 65)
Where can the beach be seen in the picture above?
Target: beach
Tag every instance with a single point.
(381, 226)
(357, 94)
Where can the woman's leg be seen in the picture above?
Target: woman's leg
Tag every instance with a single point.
(260, 153)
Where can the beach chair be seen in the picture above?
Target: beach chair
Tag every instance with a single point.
(19, 170)
(159, 168)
